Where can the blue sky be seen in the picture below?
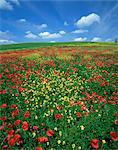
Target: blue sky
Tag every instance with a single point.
(50, 21)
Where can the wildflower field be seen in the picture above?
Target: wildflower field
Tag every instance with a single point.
(59, 98)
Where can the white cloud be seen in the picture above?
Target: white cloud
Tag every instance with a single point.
(52, 41)
(62, 32)
(5, 5)
(4, 41)
(30, 25)
(80, 31)
(22, 20)
(47, 35)
(30, 35)
(108, 40)
(80, 39)
(8, 4)
(65, 23)
(6, 35)
(88, 20)
(41, 26)
(15, 2)
(96, 39)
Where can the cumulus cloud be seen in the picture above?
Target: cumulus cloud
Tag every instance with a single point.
(22, 20)
(96, 39)
(41, 26)
(52, 41)
(47, 35)
(80, 39)
(8, 5)
(30, 35)
(30, 25)
(62, 32)
(108, 40)
(5, 5)
(3, 41)
(88, 20)
(65, 23)
(7, 35)
(79, 31)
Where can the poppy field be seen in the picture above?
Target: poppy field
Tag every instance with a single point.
(59, 98)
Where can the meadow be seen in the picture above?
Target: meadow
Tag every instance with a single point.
(59, 96)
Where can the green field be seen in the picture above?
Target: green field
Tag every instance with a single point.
(34, 45)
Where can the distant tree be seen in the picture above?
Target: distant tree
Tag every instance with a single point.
(116, 40)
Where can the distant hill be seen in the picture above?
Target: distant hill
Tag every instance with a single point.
(33, 45)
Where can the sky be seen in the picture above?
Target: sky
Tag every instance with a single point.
(58, 20)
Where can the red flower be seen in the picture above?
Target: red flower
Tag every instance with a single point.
(16, 137)
(17, 122)
(42, 139)
(49, 133)
(3, 106)
(26, 114)
(4, 147)
(10, 132)
(25, 126)
(116, 114)
(114, 136)
(3, 118)
(39, 148)
(13, 106)
(35, 128)
(58, 107)
(83, 107)
(14, 113)
(116, 121)
(78, 114)
(94, 143)
(9, 125)
(11, 142)
(26, 101)
(57, 116)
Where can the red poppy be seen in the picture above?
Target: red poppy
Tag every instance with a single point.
(57, 116)
(42, 139)
(114, 136)
(78, 114)
(58, 107)
(3, 118)
(9, 125)
(49, 133)
(83, 107)
(4, 147)
(20, 89)
(16, 94)
(17, 122)
(16, 137)
(13, 106)
(35, 128)
(3, 105)
(1, 127)
(14, 113)
(11, 142)
(4, 92)
(25, 126)
(26, 101)
(94, 143)
(26, 114)
(116, 121)
(116, 114)
(39, 148)
(10, 132)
